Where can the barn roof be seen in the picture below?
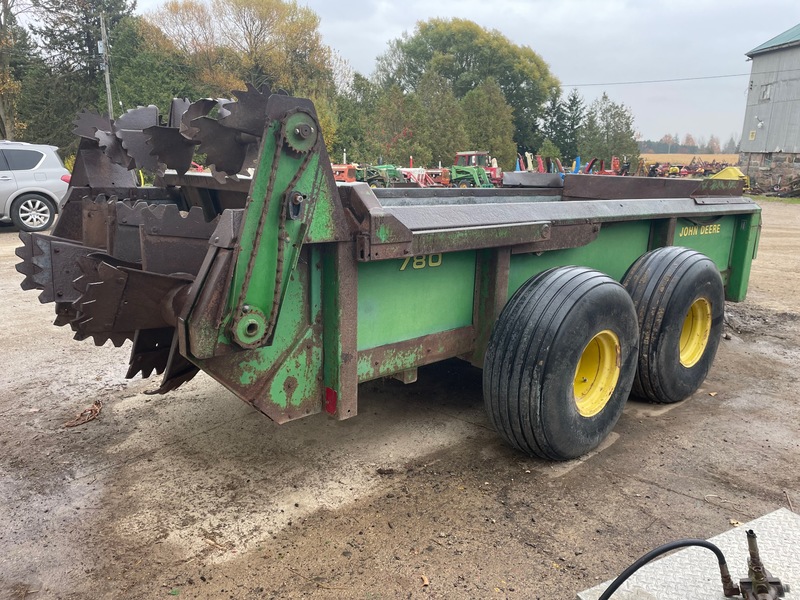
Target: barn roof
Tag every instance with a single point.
(786, 39)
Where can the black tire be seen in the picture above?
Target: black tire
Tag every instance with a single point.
(531, 387)
(33, 212)
(680, 305)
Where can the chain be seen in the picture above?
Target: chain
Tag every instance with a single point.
(281, 233)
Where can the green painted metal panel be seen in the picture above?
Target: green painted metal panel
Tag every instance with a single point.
(407, 298)
(617, 246)
(293, 326)
(713, 238)
(745, 245)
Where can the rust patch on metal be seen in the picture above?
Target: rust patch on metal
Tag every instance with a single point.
(393, 358)
(562, 236)
(289, 386)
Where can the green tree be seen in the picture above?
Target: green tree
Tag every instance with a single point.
(147, 68)
(356, 107)
(441, 120)
(574, 116)
(553, 126)
(466, 54)
(395, 133)
(15, 47)
(731, 147)
(66, 75)
(69, 32)
(47, 105)
(548, 149)
(609, 131)
(489, 122)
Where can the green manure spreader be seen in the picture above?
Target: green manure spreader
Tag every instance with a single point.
(291, 290)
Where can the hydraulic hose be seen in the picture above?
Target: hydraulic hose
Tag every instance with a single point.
(727, 584)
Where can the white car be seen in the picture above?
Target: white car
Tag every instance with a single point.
(33, 181)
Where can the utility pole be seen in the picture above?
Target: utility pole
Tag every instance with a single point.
(104, 51)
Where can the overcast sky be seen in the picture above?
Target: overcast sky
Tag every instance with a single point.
(598, 42)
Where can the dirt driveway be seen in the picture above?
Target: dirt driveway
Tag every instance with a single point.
(195, 495)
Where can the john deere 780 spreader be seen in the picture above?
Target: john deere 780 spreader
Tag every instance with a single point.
(290, 290)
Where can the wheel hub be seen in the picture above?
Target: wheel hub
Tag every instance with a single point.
(695, 332)
(34, 213)
(597, 373)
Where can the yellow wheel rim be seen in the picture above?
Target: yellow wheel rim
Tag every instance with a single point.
(695, 333)
(597, 373)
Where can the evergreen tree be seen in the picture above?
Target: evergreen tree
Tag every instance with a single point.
(554, 121)
(549, 150)
(69, 32)
(15, 52)
(394, 133)
(731, 147)
(609, 131)
(574, 115)
(147, 68)
(68, 75)
(489, 122)
(441, 120)
(355, 109)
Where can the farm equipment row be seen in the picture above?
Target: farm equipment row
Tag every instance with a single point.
(290, 289)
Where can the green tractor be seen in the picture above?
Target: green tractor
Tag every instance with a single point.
(469, 177)
(372, 176)
(391, 173)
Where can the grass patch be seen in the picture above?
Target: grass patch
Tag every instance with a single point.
(775, 199)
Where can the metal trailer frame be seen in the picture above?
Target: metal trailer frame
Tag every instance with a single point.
(300, 289)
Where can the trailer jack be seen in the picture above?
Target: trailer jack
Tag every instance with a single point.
(758, 585)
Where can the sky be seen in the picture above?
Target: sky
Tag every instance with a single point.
(594, 42)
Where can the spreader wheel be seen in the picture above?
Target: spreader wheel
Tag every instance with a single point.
(680, 304)
(560, 362)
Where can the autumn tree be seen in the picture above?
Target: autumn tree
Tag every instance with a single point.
(609, 131)
(713, 145)
(272, 43)
(193, 26)
(669, 141)
(489, 122)
(466, 54)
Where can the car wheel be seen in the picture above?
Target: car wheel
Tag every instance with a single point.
(32, 212)
(560, 362)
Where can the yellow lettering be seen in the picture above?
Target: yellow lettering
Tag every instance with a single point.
(421, 261)
(710, 229)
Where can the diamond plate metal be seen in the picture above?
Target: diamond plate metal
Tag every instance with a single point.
(695, 569)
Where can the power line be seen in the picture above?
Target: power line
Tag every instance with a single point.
(571, 85)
